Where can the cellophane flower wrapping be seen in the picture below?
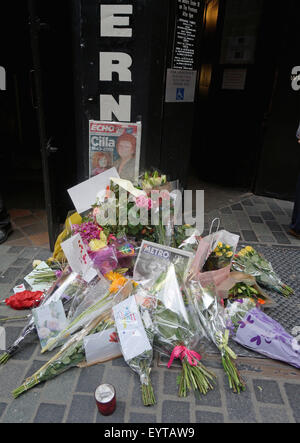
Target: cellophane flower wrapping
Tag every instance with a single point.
(86, 306)
(255, 330)
(251, 262)
(97, 298)
(68, 286)
(177, 333)
(69, 356)
(105, 260)
(211, 314)
(214, 257)
(133, 319)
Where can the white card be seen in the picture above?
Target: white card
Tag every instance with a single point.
(49, 320)
(44, 286)
(102, 346)
(19, 288)
(132, 335)
(78, 257)
(84, 195)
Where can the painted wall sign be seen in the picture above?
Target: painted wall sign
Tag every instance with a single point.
(115, 23)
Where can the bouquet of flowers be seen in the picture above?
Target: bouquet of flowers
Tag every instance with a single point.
(86, 306)
(248, 260)
(220, 258)
(253, 329)
(177, 331)
(213, 259)
(243, 290)
(211, 315)
(67, 286)
(70, 355)
(133, 319)
(152, 180)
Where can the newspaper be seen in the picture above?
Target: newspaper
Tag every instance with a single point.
(154, 259)
(115, 144)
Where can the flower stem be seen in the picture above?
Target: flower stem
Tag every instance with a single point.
(196, 378)
(236, 382)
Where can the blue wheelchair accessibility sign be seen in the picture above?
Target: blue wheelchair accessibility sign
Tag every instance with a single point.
(180, 94)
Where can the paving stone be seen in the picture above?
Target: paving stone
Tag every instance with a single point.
(293, 394)
(50, 413)
(120, 378)
(247, 202)
(2, 408)
(237, 207)
(21, 263)
(82, 410)
(249, 236)
(90, 378)
(267, 391)
(120, 362)
(226, 211)
(6, 261)
(255, 219)
(29, 253)
(10, 275)
(175, 412)
(281, 238)
(209, 417)
(267, 216)
(261, 229)
(276, 209)
(60, 389)
(170, 382)
(266, 239)
(22, 410)
(142, 418)
(239, 407)
(116, 417)
(213, 398)
(273, 415)
(252, 211)
(15, 250)
(274, 226)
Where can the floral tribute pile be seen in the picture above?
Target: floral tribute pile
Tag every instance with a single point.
(176, 314)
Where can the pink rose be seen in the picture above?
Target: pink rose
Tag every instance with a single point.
(142, 202)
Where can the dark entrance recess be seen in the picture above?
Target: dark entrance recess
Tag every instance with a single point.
(38, 155)
(245, 137)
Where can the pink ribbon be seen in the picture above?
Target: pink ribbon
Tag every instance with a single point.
(182, 352)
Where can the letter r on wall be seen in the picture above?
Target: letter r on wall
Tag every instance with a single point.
(115, 62)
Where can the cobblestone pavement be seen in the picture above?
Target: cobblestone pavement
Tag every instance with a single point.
(273, 389)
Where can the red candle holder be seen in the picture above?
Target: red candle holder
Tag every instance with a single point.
(105, 396)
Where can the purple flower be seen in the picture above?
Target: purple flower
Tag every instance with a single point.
(58, 273)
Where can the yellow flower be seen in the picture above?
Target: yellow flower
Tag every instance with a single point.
(249, 249)
(220, 244)
(228, 246)
(229, 254)
(117, 281)
(96, 244)
(219, 254)
(217, 250)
